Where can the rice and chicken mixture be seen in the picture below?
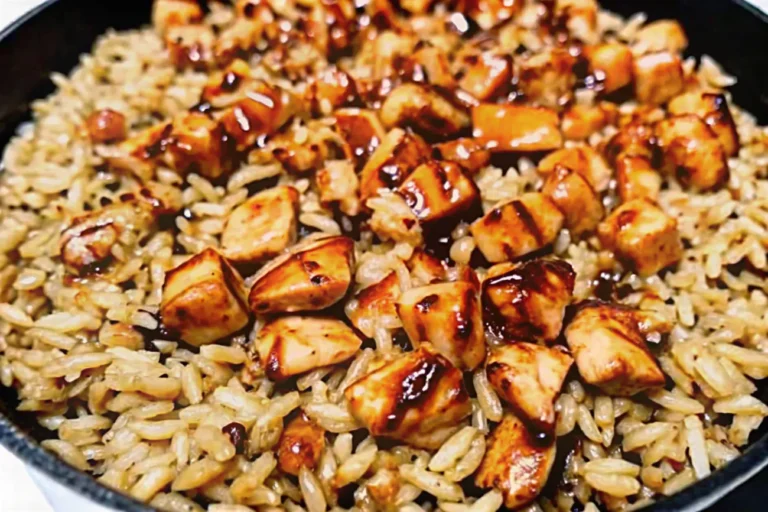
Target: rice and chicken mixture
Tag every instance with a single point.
(302, 255)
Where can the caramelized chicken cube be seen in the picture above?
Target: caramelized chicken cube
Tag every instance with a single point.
(393, 160)
(429, 64)
(661, 35)
(635, 178)
(611, 65)
(547, 77)
(517, 227)
(190, 46)
(580, 18)
(610, 350)
(312, 276)
(264, 109)
(634, 139)
(222, 85)
(516, 463)
(292, 345)
(466, 152)
(642, 236)
(194, 144)
(516, 127)
(242, 35)
(204, 299)
(582, 159)
(527, 301)
(486, 75)
(162, 199)
(410, 398)
(387, 50)
(447, 315)
(438, 190)
(301, 445)
(375, 304)
(581, 121)
(140, 154)
(262, 227)
(332, 88)
(576, 198)
(105, 126)
(338, 185)
(169, 13)
(529, 378)
(713, 109)
(361, 130)
(658, 77)
(418, 107)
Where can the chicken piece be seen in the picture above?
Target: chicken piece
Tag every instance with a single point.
(332, 88)
(634, 139)
(292, 345)
(301, 445)
(296, 158)
(520, 128)
(425, 268)
(581, 121)
(312, 276)
(580, 18)
(162, 199)
(438, 190)
(338, 185)
(141, 153)
(375, 305)
(195, 144)
(362, 131)
(582, 159)
(223, 86)
(610, 350)
(529, 378)
(527, 301)
(416, 6)
(262, 227)
(415, 106)
(490, 13)
(393, 160)
(661, 35)
(517, 227)
(642, 236)
(466, 152)
(547, 77)
(447, 315)
(387, 50)
(576, 198)
(515, 463)
(429, 65)
(658, 77)
(190, 46)
(105, 126)
(410, 398)
(264, 109)
(610, 64)
(242, 36)
(636, 178)
(486, 75)
(331, 25)
(692, 152)
(170, 13)
(713, 109)
(204, 299)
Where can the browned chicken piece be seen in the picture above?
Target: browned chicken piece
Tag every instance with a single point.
(331, 25)
(262, 227)
(204, 299)
(105, 126)
(388, 49)
(418, 107)
(517, 227)
(516, 128)
(581, 121)
(332, 88)
(429, 64)
(338, 185)
(515, 463)
(312, 276)
(223, 85)
(447, 315)
(292, 345)
(264, 109)
(661, 35)
(489, 13)
(140, 153)
(642, 236)
(582, 159)
(610, 64)
(576, 198)
(636, 178)
(426, 268)
(580, 18)
(301, 445)
(486, 75)
(466, 152)
(190, 46)
(634, 139)
(610, 350)
(438, 190)
(296, 158)
(658, 77)
(375, 302)
(529, 378)
(242, 35)
(713, 109)
(527, 301)
(547, 78)
(692, 153)
(163, 199)
(393, 160)
(410, 398)
(169, 13)
(194, 144)
(361, 130)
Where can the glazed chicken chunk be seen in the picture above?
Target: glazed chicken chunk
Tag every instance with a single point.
(412, 105)
(636, 179)
(661, 35)
(438, 190)
(466, 152)
(204, 299)
(611, 63)
(582, 159)
(392, 161)
(713, 109)
(547, 78)
(169, 13)
(529, 378)
(658, 77)
(190, 46)
(572, 193)
(447, 315)
(486, 75)
(338, 185)
(581, 121)
(375, 305)
(362, 132)
(610, 350)
(301, 445)
(580, 18)
(516, 127)
(313, 275)
(331, 89)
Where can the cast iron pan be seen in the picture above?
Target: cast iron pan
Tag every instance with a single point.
(52, 37)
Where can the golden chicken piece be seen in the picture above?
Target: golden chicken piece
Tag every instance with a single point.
(610, 64)
(429, 64)
(262, 227)
(576, 198)
(393, 160)
(517, 227)
(636, 178)
(162, 199)
(633, 139)
(515, 463)
(692, 152)
(338, 184)
(375, 303)
(547, 77)
(223, 85)
(361, 130)
(292, 345)
(264, 109)
(243, 34)
(301, 445)
(580, 18)
(466, 152)
(610, 350)
(486, 75)
(141, 153)
(581, 121)
(204, 299)
(195, 144)
(529, 378)
(426, 268)
(490, 13)
(411, 398)
(447, 315)
(105, 126)
(332, 88)
(190, 46)
(527, 301)
(658, 77)
(642, 236)
(661, 35)
(330, 25)
(313, 275)
(520, 128)
(438, 190)
(415, 106)
(170, 13)
(582, 159)
(713, 109)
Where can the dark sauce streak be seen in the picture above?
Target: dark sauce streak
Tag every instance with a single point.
(416, 389)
